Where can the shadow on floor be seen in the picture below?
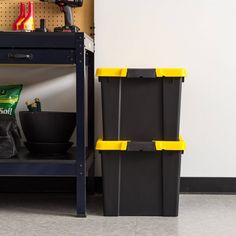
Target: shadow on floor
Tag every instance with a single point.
(48, 203)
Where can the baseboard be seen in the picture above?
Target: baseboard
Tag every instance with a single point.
(67, 185)
(207, 185)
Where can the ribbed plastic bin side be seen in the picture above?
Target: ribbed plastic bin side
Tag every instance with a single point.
(141, 105)
(135, 182)
(132, 186)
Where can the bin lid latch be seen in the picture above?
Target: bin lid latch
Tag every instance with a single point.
(141, 146)
(141, 73)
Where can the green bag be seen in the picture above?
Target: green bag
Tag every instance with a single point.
(9, 97)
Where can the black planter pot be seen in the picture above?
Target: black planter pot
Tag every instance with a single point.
(45, 149)
(48, 127)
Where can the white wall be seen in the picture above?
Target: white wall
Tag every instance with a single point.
(197, 34)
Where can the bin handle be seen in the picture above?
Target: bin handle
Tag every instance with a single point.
(120, 145)
(171, 145)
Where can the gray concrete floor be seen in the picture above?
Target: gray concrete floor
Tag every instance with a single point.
(53, 215)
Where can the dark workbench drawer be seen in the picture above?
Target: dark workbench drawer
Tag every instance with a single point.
(37, 56)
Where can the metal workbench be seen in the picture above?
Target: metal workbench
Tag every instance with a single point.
(75, 49)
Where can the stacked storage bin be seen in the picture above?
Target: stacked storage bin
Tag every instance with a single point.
(141, 147)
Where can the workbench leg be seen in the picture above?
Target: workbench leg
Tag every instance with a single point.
(81, 146)
(91, 120)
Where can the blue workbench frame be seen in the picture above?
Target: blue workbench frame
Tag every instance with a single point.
(75, 49)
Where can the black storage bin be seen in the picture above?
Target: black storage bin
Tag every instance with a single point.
(141, 106)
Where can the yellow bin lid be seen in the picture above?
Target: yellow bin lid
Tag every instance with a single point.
(160, 72)
(121, 145)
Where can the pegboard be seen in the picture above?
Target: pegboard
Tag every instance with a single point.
(83, 16)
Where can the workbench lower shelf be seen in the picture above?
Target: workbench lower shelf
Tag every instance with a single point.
(26, 164)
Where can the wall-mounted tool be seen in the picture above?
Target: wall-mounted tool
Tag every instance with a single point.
(42, 27)
(66, 7)
(16, 25)
(28, 23)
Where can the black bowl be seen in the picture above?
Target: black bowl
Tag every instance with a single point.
(48, 148)
(48, 127)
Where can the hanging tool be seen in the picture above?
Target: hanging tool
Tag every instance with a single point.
(66, 7)
(21, 17)
(42, 27)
